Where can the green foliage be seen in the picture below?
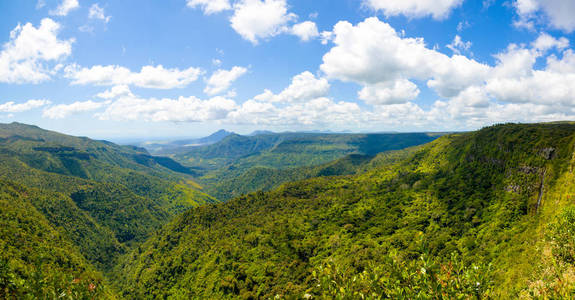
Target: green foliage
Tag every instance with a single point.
(36, 261)
(474, 194)
(242, 164)
(562, 236)
(467, 216)
(70, 206)
(394, 278)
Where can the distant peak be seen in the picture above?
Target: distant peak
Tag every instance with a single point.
(261, 132)
(220, 133)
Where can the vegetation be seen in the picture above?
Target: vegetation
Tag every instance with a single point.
(74, 205)
(36, 261)
(480, 215)
(392, 230)
(239, 165)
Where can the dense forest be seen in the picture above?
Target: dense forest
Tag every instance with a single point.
(473, 215)
(478, 215)
(76, 205)
(231, 164)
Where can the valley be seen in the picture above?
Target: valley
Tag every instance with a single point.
(278, 215)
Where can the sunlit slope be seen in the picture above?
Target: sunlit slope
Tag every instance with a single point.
(487, 197)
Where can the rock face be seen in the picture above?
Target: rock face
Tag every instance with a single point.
(528, 170)
(513, 188)
(548, 153)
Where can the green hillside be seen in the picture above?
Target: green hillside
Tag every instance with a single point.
(96, 198)
(242, 164)
(284, 150)
(36, 260)
(266, 178)
(474, 215)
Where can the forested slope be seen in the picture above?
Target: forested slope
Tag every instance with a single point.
(482, 214)
(94, 199)
(243, 164)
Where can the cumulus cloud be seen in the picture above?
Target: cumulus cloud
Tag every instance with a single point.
(12, 107)
(546, 42)
(305, 31)
(459, 46)
(257, 20)
(385, 93)
(210, 6)
(152, 77)
(181, 109)
(315, 112)
(558, 14)
(221, 80)
(65, 7)
(97, 12)
(260, 19)
(303, 87)
(62, 111)
(375, 56)
(25, 57)
(116, 92)
(415, 8)
(471, 94)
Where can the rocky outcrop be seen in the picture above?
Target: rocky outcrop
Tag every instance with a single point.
(548, 153)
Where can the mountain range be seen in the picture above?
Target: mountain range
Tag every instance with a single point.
(484, 214)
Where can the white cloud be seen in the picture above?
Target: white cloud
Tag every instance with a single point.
(210, 6)
(372, 53)
(304, 87)
(558, 14)
(115, 92)
(153, 77)
(12, 107)
(23, 59)
(40, 4)
(459, 46)
(415, 8)
(305, 31)
(315, 112)
(182, 109)
(546, 42)
(384, 63)
(62, 111)
(464, 24)
(221, 80)
(564, 65)
(96, 12)
(216, 62)
(65, 7)
(385, 93)
(260, 19)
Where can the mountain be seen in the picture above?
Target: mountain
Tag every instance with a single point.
(486, 214)
(292, 149)
(261, 132)
(167, 147)
(94, 199)
(211, 139)
(242, 164)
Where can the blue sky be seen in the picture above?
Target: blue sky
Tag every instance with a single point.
(174, 68)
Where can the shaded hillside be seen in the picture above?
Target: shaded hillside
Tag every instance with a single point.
(171, 146)
(99, 197)
(395, 228)
(265, 178)
(243, 164)
(36, 260)
(283, 150)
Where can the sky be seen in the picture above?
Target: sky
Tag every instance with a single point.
(186, 68)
